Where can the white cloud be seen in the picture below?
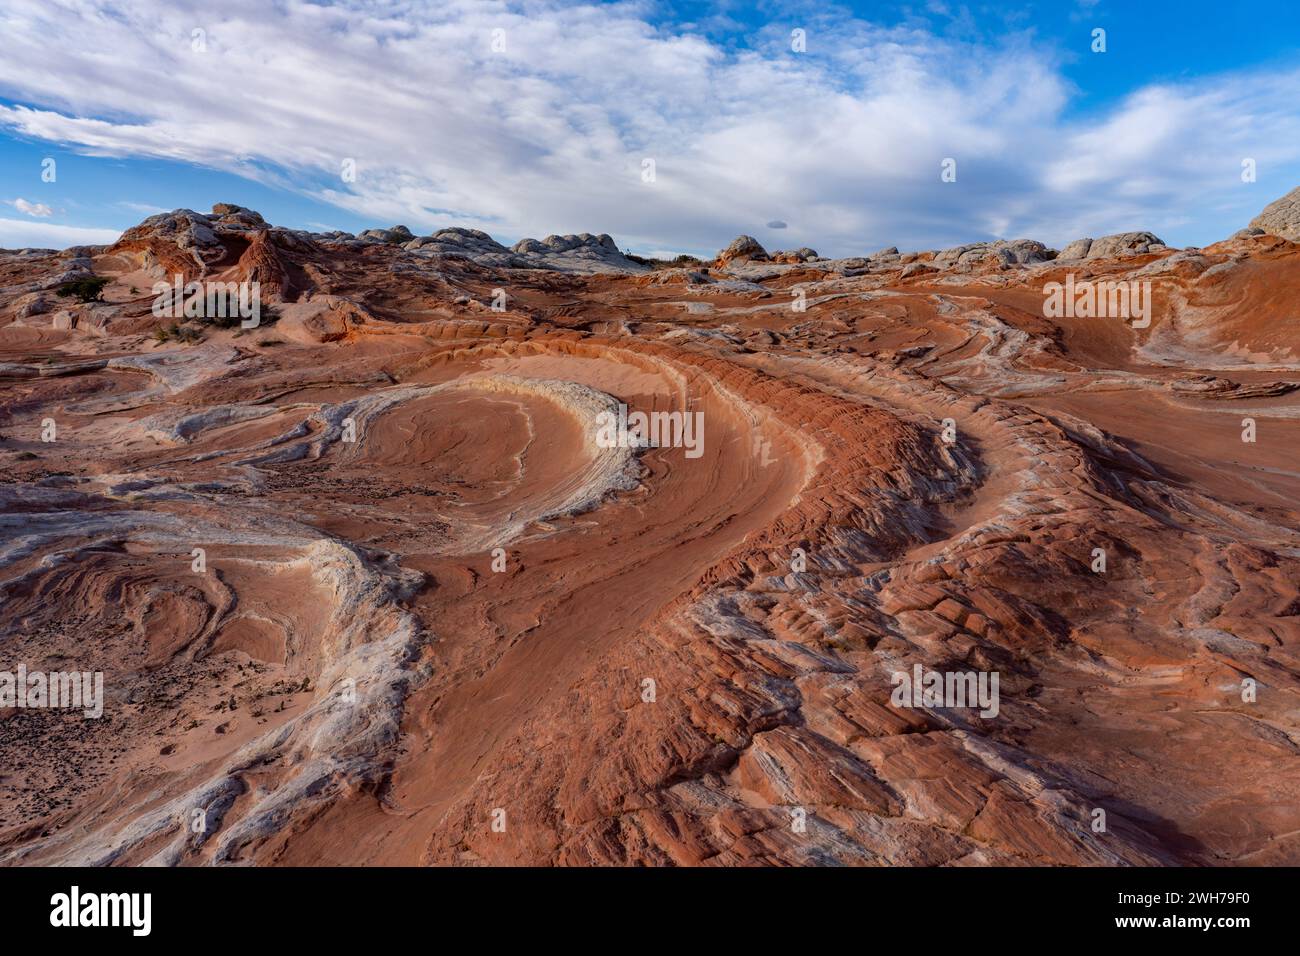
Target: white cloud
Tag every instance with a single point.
(143, 207)
(843, 143)
(24, 234)
(32, 208)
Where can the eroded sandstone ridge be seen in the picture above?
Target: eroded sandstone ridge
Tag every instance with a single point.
(366, 588)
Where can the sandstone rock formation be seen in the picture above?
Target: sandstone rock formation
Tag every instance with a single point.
(1006, 252)
(1281, 217)
(468, 243)
(802, 254)
(1110, 247)
(583, 253)
(396, 235)
(742, 248)
(433, 598)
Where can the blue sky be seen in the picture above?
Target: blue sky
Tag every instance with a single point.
(547, 126)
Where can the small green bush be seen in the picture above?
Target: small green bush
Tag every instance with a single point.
(86, 290)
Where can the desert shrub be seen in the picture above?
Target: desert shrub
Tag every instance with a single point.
(681, 260)
(186, 334)
(267, 316)
(86, 290)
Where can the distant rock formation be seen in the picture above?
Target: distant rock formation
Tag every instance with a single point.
(743, 248)
(1114, 246)
(583, 253)
(802, 254)
(195, 244)
(1007, 251)
(179, 241)
(396, 236)
(458, 241)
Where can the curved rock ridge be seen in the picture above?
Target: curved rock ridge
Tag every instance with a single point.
(367, 586)
(336, 741)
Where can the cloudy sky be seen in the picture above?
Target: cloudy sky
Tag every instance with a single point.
(539, 117)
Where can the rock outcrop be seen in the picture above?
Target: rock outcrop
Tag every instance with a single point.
(742, 249)
(261, 263)
(471, 244)
(575, 253)
(1115, 246)
(181, 241)
(1281, 217)
(396, 235)
(1007, 252)
(803, 254)
(582, 253)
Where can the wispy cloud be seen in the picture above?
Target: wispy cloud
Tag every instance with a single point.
(38, 209)
(545, 126)
(143, 207)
